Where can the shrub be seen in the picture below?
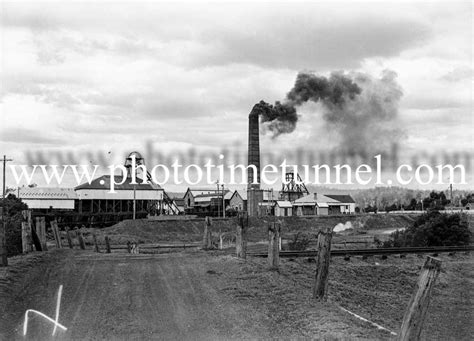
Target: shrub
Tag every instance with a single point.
(300, 242)
(13, 220)
(433, 229)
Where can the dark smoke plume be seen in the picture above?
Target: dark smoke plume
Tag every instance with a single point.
(367, 123)
(334, 91)
(359, 108)
(281, 118)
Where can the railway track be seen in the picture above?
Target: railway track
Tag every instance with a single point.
(368, 252)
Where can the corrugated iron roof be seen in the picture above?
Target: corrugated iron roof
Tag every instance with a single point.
(40, 193)
(206, 191)
(284, 204)
(343, 198)
(213, 195)
(323, 200)
(103, 183)
(310, 199)
(241, 193)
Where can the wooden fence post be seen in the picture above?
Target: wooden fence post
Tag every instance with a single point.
(58, 233)
(273, 245)
(241, 235)
(81, 240)
(419, 302)
(26, 231)
(96, 245)
(107, 244)
(206, 240)
(41, 232)
(43, 229)
(57, 236)
(35, 237)
(68, 236)
(322, 264)
(29, 221)
(38, 232)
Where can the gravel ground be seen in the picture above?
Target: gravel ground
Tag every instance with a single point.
(379, 290)
(198, 295)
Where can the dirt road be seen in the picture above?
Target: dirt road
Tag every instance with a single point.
(208, 296)
(114, 296)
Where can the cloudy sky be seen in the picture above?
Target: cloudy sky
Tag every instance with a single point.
(109, 76)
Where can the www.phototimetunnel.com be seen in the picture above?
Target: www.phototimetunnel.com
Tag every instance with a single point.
(236, 170)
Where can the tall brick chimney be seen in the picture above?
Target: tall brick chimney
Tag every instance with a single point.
(254, 193)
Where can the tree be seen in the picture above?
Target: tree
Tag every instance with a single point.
(433, 229)
(13, 219)
(392, 207)
(411, 206)
(469, 198)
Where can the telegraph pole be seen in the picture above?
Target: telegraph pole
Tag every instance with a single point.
(134, 201)
(3, 246)
(451, 194)
(218, 200)
(223, 202)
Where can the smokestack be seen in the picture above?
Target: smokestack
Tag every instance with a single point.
(254, 149)
(254, 194)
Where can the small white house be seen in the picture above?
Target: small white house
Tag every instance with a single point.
(238, 201)
(46, 198)
(346, 203)
(283, 208)
(324, 204)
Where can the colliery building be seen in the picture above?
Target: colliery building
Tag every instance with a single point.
(202, 202)
(93, 204)
(96, 197)
(294, 198)
(48, 198)
(206, 201)
(319, 204)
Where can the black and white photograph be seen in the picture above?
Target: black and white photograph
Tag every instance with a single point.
(236, 170)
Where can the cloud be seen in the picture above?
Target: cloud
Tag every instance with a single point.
(115, 75)
(311, 44)
(458, 74)
(55, 46)
(28, 136)
(302, 36)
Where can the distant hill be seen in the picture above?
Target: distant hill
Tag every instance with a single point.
(385, 196)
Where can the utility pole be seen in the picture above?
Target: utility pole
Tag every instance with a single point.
(451, 194)
(134, 201)
(272, 207)
(218, 201)
(223, 202)
(3, 246)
